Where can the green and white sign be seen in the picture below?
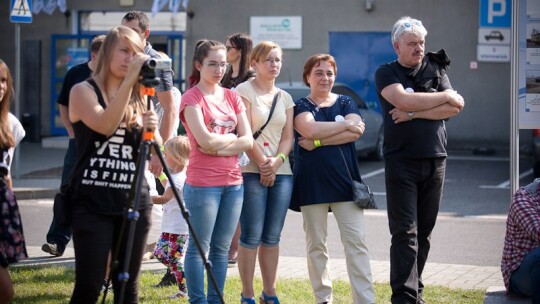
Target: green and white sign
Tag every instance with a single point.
(285, 31)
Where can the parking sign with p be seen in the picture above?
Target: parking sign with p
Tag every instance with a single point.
(495, 13)
(494, 30)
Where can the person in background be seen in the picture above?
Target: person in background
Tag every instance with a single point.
(168, 278)
(163, 101)
(416, 98)
(172, 244)
(326, 127)
(12, 243)
(177, 98)
(218, 130)
(520, 263)
(268, 176)
(239, 48)
(59, 235)
(108, 113)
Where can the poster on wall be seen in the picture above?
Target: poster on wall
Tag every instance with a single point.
(76, 56)
(286, 31)
(529, 65)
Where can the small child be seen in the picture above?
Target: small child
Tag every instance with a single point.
(172, 244)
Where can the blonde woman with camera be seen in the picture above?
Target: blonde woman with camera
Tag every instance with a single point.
(108, 114)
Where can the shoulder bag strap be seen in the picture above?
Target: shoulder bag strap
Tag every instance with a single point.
(256, 134)
(344, 161)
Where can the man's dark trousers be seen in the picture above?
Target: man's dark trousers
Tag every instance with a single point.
(58, 234)
(413, 190)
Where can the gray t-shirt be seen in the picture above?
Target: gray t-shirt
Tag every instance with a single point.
(165, 80)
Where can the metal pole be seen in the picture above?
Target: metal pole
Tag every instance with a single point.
(514, 100)
(17, 91)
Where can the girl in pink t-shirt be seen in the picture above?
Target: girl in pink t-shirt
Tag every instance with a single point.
(218, 130)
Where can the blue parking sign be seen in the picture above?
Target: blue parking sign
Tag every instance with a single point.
(495, 13)
(20, 11)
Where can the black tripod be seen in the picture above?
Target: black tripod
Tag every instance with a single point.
(132, 215)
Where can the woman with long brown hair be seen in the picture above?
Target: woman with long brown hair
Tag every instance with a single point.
(218, 130)
(238, 48)
(12, 245)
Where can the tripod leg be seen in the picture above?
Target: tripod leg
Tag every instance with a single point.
(131, 218)
(194, 241)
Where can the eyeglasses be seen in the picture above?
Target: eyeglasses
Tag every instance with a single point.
(406, 26)
(215, 65)
(272, 60)
(231, 47)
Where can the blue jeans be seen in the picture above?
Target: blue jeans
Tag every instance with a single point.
(264, 210)
(215, 212)
(58, 234)
(525, 281)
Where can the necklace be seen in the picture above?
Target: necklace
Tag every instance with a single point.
(327, 101)
(111, 96)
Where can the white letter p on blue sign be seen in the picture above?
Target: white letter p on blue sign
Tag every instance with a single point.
(496, 8)
(495, 13)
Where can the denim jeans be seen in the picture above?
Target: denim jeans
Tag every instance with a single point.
(413, 192)
(215, 212)
(58, 234)
(525, 281)
(264, 210)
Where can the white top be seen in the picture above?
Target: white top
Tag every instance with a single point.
(177, 97)
(173, 221)
(18, 133)
(259, 110)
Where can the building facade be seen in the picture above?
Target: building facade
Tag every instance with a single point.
(451, 25)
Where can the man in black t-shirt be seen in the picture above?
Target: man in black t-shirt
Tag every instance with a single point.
(164, 99)
(416, 99)
(59, 235)
(164, 104)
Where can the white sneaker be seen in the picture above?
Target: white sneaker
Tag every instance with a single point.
(149, 251)
(178, 295)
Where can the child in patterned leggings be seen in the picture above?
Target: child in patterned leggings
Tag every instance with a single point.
(172, 244)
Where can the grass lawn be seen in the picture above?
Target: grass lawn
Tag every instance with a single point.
(54, 285)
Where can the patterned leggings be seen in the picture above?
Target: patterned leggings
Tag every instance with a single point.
(170, 250)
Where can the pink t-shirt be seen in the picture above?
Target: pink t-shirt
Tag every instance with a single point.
(206, 170)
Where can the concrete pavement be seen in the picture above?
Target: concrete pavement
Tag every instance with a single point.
(39, 177)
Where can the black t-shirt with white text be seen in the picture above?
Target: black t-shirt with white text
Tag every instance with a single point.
(106, 168)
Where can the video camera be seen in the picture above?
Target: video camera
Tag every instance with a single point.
(157, 64)
(149, 71)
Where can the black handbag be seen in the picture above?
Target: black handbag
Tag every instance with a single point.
(362, 195)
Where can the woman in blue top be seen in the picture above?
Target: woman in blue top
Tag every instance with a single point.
(326, 126)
